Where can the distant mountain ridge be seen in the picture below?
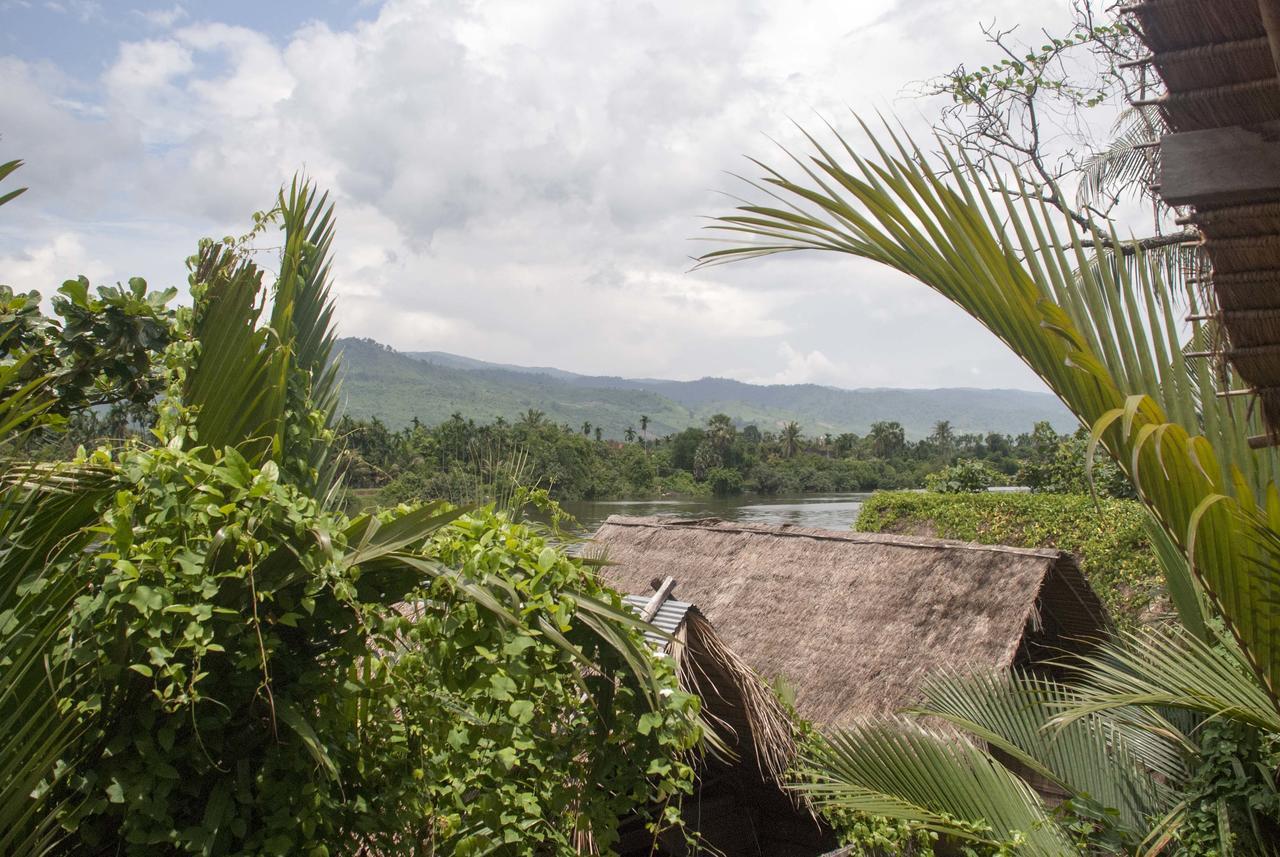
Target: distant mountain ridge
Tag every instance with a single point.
(432, 385)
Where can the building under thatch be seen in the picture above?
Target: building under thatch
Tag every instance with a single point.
(740, 805)
(1219, 60)
(854, 622)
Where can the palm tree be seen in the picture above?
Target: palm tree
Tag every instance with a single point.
(533, 418)
(629, 434)
(599, 434)
(790, 439)
(265, 388)
(644, 427)
(887, 438)
(586, 428)
(1103, 333)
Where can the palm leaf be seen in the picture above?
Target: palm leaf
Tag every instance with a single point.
(1168, 668)
(1088, 757)
(932, 780)
(1104, 341)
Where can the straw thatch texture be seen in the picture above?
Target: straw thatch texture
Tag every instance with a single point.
(855, 622)
(1219, 69)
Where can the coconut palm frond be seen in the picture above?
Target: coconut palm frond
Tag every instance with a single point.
(1088, 758)
(932, 780)
(1169, 668)
(1102, 341)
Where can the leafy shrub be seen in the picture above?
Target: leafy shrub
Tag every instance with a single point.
(1108, 539)
(966, 476)
(253, 690)
(1058, 467)
(724, 482)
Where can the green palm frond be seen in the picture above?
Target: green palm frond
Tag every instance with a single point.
(1168, 668)
(5, 169)
(1106, 342)
(936, 781)
(45, 514)
(1088, 757)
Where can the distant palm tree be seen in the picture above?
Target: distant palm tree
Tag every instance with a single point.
(599, 434)
(790, 439)
(586, 428)
(644, 426)
(533, 418)
(629, 434)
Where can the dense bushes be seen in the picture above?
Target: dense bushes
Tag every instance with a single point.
(253, 688)
(1109, 538)
(964, 477)
(205, 655)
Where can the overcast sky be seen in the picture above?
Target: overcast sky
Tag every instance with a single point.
(516, 181)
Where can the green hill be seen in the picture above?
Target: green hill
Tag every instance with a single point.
(396, 387)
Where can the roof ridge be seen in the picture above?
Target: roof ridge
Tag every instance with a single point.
(818, 534)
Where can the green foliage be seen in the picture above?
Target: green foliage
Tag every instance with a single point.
(255, 690)
(95, 350)
(865, 834)
(966, 476)
(444, 461)
(1058, 465)
(724, 482)
(1108, 538)
(199, 653)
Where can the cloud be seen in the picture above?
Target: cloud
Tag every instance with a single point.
(514, 181)
(800, 367)
(163, 19)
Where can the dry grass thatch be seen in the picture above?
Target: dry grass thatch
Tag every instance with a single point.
(854, 622)
(1220, 71)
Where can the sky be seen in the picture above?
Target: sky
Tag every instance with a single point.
(522, 182)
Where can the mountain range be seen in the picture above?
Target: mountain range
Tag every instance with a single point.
(431, 385)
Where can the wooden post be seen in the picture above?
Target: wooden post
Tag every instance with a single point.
(659, 598)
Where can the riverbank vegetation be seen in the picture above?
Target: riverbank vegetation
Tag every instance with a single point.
(576, 463)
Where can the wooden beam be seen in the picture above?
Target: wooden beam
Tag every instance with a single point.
(1270, 10)
(1221, 166)
(659, 598)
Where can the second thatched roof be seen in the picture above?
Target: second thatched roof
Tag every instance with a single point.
(854, 622)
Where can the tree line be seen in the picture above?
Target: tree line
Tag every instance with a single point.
(721, 457)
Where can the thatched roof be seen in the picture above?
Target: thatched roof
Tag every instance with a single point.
(855, 621)
(737, 704)
(1219, 69)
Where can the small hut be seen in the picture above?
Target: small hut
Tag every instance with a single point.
(740, 806)
(855, 622)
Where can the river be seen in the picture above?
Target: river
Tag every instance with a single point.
(827, 511)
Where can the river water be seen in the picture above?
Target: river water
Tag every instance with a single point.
(826, 511)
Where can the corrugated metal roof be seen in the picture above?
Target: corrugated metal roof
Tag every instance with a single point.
(668, 618)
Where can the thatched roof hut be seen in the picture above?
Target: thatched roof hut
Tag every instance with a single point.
(854, 622)
(1218, 60)
(740, 805)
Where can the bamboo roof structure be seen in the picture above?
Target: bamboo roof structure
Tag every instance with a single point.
(1218, 60)
(855, 622)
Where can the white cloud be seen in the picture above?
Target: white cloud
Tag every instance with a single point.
(517, 181)
(800, 367)
(163, 19)
(44, 266)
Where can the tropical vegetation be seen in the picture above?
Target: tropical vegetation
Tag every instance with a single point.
(201, 653)
(574, 463)
(1164, 740)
